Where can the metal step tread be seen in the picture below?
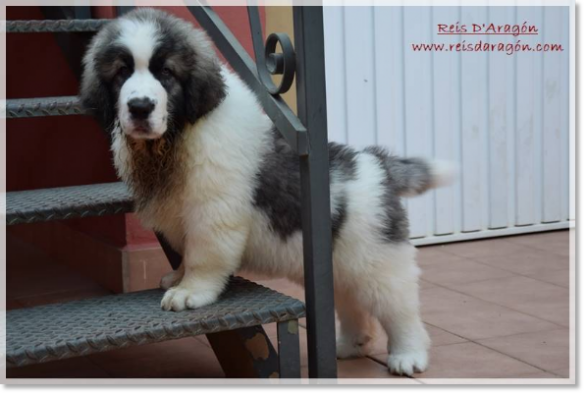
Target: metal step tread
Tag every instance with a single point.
(59, 331)
(68, 202)
(55, 26)
(43, 107)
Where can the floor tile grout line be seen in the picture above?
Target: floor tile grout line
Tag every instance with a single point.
(465, 242)
(450, 332)
(506, 307)
(539, 246)
(469, 282)
(497, 278)
(510, 271)
(543, 249)
(513, 357)
(377, 361)
(487, 265)
(513, 274)
(495, 337)
(510, 238)
(500, 239)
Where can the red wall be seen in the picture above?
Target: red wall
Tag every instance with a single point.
(72, 150)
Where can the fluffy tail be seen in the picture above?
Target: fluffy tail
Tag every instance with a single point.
(414, 176)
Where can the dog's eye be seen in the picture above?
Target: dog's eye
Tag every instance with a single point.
(166, 72)
(124, 71)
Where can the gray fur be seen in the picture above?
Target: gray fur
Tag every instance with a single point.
(278, 190)
(408, 176)
(405, 176)
(395, 224)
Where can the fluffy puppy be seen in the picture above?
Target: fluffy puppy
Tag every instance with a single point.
(209, 171)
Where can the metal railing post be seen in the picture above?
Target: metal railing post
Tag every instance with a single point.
(315, 205)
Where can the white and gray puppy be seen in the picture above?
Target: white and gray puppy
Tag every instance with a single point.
(208, 170)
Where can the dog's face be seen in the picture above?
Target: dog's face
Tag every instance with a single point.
(151, 73)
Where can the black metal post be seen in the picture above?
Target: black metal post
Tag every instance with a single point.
(316, 221)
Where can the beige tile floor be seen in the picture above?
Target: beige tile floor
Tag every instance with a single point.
(496, 308)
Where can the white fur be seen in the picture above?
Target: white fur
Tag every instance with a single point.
(213, 224)
(443, 172)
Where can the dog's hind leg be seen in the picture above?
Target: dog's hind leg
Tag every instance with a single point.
(357, 327)
(397, 308)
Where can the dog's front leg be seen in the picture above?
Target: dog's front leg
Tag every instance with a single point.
(213, 251)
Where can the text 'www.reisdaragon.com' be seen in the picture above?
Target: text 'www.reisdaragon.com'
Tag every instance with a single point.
(482, 46)
(489, 29)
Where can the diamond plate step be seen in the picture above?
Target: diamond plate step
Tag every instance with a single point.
(59, 331)
(56, 26)
(43, 107)
(69, 202)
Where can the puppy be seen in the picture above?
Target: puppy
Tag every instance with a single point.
(208, 170)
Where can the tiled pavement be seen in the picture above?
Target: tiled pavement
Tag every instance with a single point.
(496, 308)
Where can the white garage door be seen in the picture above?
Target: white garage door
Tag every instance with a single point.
(503, 118)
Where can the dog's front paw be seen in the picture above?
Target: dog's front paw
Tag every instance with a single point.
(181, 298)
(408, 363)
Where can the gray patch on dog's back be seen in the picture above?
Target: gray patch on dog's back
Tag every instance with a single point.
(395, 224)
(278, 191)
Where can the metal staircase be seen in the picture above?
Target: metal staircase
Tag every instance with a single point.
(58, 331)
(43, 107)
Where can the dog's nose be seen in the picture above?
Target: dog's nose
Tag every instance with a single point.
(140, 108)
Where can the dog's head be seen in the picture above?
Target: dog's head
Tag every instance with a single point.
(151, 72)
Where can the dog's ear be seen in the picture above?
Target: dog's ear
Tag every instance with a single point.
(96, 100)
(204, 91)
(95, 96)
(205, 87)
